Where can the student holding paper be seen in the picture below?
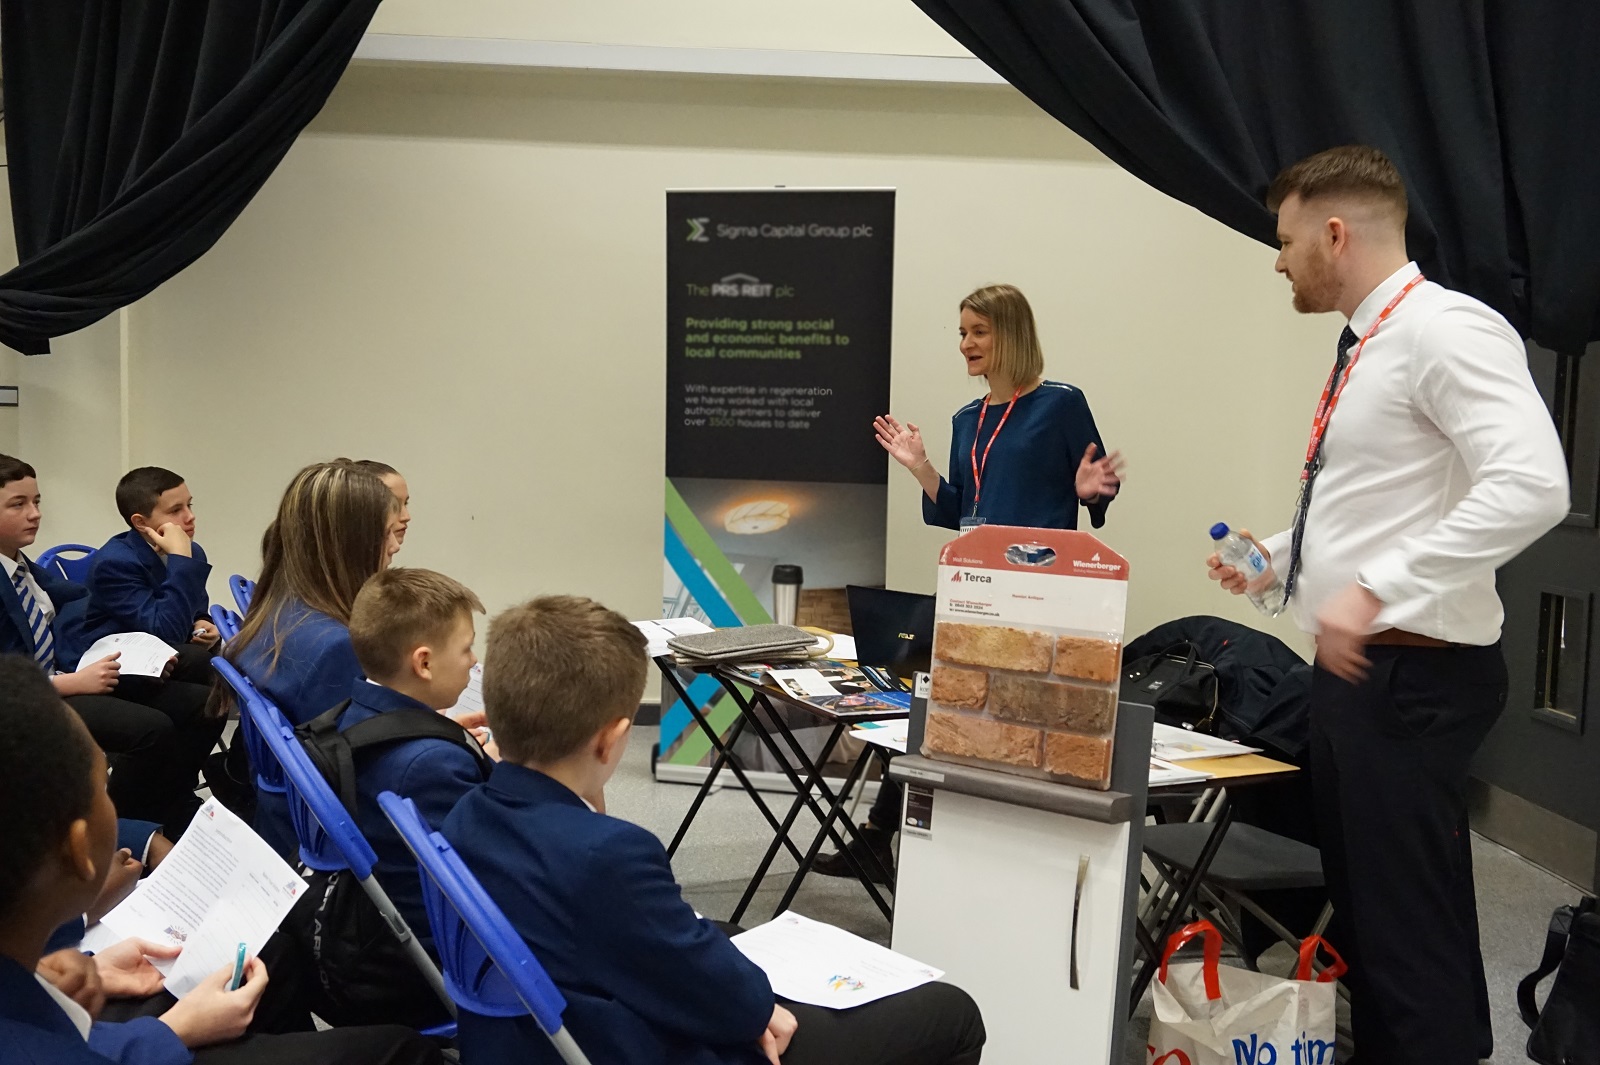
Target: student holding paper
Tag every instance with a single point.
(61, 835)
(646, 981)
(158, 735)
(152, 578)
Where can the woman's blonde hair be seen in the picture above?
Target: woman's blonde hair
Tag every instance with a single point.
(330, 535)
(1016, 354)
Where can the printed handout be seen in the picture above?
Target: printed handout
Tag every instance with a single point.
(818, 964)
(142, 654)
(660, 630)
(1172, 744)
(890, 734)
(471, 701)
(221, 886)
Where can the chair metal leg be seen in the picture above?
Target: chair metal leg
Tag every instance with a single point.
(567, 1047)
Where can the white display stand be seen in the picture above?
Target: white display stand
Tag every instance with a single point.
(987, 893)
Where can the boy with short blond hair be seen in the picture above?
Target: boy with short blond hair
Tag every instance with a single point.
(646, 980)
(412, 631)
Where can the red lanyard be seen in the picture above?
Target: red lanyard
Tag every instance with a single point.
(977, 469)
(1331, 394)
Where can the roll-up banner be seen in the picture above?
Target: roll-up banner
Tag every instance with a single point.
(778, 326)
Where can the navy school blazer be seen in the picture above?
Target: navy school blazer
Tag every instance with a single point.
(36, 1031)
(131, 589)
(432, 773)
(316, 666)
(67, 599)
(646, 981)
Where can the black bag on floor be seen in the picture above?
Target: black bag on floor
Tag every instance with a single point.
(1567, 1031)
(1181, 687)
(362, 973)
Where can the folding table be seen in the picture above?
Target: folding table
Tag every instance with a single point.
(802, 771)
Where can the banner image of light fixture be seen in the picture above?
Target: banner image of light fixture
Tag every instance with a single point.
(762, 516)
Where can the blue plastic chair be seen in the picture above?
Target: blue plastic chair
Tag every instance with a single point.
(226, 621)
(330, 841)
(488, 968)
(254, 722)
(76, 569)
(243, 589)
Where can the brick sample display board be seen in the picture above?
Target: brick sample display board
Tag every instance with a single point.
(1027, 653)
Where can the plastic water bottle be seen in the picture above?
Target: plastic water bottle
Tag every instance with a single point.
(1262, 585)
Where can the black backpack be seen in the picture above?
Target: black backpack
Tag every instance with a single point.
(363, 974)
(1181, 687)
(1567, 1032)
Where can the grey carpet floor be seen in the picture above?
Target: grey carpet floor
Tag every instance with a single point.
(729, 836)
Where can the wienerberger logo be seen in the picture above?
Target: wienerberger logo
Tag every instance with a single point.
(1095, 564)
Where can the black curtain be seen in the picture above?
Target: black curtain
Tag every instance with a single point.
(1490, 108)
(137, 130)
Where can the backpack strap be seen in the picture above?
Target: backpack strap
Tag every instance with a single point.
(397, 726)
(1555, 948)
(330, 753)
(334, 752)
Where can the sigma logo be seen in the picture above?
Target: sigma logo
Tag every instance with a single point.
(974, 578)
(697, 230)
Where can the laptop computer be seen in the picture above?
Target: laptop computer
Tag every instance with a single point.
(893, 631)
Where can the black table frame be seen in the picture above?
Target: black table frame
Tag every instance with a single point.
(793, 765)
(1152, 943)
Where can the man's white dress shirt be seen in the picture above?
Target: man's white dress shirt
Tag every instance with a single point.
(1439, 465)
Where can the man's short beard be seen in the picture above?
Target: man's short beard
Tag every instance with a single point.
(1315, 291)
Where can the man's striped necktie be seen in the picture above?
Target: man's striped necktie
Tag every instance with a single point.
(44, 643)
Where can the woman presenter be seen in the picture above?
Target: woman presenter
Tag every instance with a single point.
(1028, 452)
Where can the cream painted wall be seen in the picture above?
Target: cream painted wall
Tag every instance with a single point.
(462, 274)
(893, 27)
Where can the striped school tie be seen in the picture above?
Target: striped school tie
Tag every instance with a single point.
(44, 643)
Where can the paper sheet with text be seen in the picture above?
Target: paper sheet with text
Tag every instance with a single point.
(220, 886)
(820, 965)
(658, 631)
(142, 654)
(471, 701)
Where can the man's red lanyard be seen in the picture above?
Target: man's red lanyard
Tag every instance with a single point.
(1335, 386)
(977, 468)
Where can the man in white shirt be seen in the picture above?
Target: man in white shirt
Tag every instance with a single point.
(1432, 462)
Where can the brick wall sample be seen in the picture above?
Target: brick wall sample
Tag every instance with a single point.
(966, 689)
(975, 737)
(994, 646)
(1088, 659)
(1051, 704)
(1085, 758)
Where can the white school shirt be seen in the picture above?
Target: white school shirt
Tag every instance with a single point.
(1440, 464)
(75, 1013)
(11, 566)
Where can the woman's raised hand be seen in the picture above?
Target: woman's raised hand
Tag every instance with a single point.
(902, 442)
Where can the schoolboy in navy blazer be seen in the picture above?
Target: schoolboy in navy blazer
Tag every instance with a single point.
(647, 982)
(132, 587)
(152, 578)
(67, 598)
(432, 773)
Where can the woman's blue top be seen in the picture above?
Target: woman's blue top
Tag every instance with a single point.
(1031, 476)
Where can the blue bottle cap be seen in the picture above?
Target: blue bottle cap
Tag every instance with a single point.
(1218, 531)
